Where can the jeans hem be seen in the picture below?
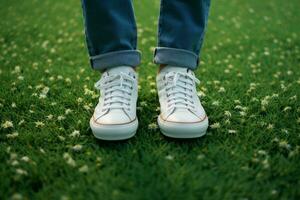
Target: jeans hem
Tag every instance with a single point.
(117, 58)
(177, 57)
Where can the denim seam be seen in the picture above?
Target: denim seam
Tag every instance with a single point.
(101, 62)
(134, 42)
(176, 49)
(207, 5)
(192, 57)
(88, 42)
(161, 17)
(115, 53)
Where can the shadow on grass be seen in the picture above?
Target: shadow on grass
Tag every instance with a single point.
(145, 139)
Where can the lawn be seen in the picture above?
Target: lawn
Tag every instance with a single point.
(250, 87)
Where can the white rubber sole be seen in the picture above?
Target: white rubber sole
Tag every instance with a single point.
(114, 132)
(182, 130)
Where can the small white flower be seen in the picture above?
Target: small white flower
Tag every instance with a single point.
(265, 163)
(265, 101)
(61, 117)
(25, 159)
(61, 138)
(237, 101)
(262, 152)
(239, 107)
(232, 131)
(64, 197)
(14, 163)
(68, 80)
(201, 94)
(149, 77)
(254, 99)
(42, 151)
(270, 126)
(49, 117)
(169, 157)
(227, 113)
(75, 133)
(16, 70)
(21, 171)
(200, 157)
(39, 124)
(16, 196)
(215, 103)
(285, 131)
(88, 92)
(68, 111)
(153, 91)
(83, 169)
(215, 125)
(242, 113)
(293, 97)
(86, 107)
(143, 103)
(12, 135)
(152, 126)
(284, 144)
(77, 147)
(227, 121)
(222, 89)
(7, 124)
(152, 83)
(44, 92)
(275, 139)
(274, 192)
(69, 159)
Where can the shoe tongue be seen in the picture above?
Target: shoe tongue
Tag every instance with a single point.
(117, 70)
(170, 68)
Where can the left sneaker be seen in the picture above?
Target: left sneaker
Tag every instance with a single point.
(115, 117)
(182, 115)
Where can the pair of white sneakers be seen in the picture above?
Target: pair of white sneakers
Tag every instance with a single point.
(181, 116)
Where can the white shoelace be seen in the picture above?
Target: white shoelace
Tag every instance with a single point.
(179, 90)
(117, 90)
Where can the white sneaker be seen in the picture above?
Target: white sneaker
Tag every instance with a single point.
(182, 115)
(114, 117)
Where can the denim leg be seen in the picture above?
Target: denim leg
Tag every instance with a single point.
(111, 33)
(182, 26)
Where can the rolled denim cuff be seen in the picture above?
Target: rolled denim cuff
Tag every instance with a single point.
(117, 58)
(177, 57)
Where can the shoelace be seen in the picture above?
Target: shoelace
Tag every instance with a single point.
(179, 90)
(117, 90)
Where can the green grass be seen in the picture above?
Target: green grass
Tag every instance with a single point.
(250, 88)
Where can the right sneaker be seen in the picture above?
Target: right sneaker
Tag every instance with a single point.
(114, 117)
(182, 115)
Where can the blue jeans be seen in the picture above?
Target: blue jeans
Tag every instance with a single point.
(111, 32)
